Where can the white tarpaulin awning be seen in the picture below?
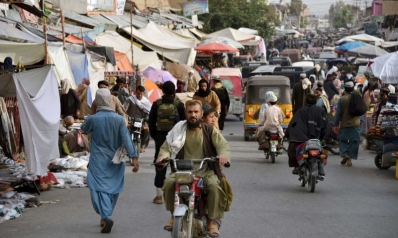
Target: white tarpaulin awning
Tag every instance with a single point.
(173, 46)
(11, 31)
(232, 34)
(27, 53)
(59, 58)
(38, 98)
(361, 37)
(144, 59)
(387, 44)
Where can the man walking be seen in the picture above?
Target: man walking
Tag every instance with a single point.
(191, 83)
(164, 114)
(104, 178)
(348, 127)
(300, 91)
(138, 106)
(223, 96)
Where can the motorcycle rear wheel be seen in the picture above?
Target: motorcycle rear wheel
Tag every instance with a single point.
(311, 183)
(273, 157)
(177, 228)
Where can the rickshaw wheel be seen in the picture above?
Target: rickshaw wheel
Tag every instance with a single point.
(378, 162)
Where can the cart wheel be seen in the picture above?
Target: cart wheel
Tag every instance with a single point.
(378, 162)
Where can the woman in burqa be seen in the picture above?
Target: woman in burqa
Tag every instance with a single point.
(70, 102)
(105, 175)
(7, 63)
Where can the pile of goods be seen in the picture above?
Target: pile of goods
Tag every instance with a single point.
(375, 131)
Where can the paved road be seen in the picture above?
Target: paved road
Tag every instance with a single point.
(360, 201)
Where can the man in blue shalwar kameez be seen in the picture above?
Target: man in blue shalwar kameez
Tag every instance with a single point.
(104, 178)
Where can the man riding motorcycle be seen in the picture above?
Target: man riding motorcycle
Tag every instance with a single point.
(182, 143)
(273, 117)
(309, 122)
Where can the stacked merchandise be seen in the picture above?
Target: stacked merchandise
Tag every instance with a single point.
(12, 177)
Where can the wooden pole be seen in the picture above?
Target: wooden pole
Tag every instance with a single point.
(63, 29)
(84, 42)
(45, 41)
(131, 35)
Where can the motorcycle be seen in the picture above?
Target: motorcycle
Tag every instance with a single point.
(135, 128)
(271, 147)
(331, 145)
(312, 155)
(190, 218)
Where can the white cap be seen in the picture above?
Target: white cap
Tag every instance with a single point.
(273, 98)
(303, 75)
(349, 84)
(190, 71)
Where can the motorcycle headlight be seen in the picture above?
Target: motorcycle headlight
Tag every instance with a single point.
(184, 177)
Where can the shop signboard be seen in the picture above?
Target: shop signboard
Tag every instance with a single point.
(195, 8)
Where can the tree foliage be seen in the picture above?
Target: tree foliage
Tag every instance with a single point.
(296, 6)
(253, 14)
(341, 14)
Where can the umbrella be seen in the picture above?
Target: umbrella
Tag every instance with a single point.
(350, 45)
(223, 40)
(385, 68)
(154, 92)
(214, 47)
(370, 51)
(291, 32)
(157, 75)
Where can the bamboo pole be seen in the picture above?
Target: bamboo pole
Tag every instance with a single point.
(131, 35)
(84, 42)
(45, 41)
(63, 29)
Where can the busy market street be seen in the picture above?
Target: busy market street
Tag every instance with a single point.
(268, 201)
(198, 118)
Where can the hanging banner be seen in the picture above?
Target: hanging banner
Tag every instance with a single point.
(120, 7)
(195, 8)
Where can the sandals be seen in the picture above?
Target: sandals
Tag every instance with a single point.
(349, 163)
(213, 230)
(344, 161)
(102, 222)
(108, 227)
(169, 225)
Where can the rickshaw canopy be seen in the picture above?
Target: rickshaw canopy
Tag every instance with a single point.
(258, 85)
(231, 79)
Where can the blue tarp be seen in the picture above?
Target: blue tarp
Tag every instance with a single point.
(78, 63)
(350, 45)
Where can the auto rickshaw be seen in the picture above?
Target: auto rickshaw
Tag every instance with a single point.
(231, 79)
(257, 86)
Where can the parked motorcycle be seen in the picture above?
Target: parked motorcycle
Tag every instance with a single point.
(190, 219)
(135, 128)
(312, 155)
(271, 147)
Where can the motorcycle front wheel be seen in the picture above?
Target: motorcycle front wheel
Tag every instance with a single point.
(182, 227)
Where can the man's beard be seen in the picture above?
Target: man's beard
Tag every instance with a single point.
(194, 125)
